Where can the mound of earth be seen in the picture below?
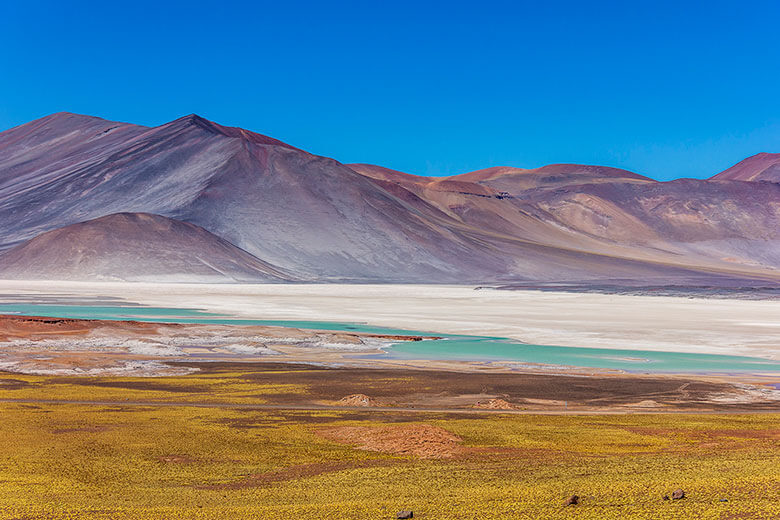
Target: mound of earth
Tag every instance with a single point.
(135, 247)
(359, 400)
(420, 440)
(496, 404)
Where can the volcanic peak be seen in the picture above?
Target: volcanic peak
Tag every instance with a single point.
(227, 131)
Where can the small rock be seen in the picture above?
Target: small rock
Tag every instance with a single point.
(405, 514)
(724, 499)
(572, 501)
(677, 494)
(666, 497)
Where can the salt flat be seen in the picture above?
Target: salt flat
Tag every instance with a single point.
(696, 325)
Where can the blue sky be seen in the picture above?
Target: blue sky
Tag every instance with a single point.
(666, 89)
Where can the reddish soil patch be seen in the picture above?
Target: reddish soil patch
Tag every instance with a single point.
(420, 440)
(359, 400)
(176, 459)
(12, 326)
(496, 404)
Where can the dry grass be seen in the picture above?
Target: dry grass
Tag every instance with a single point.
(69, 461)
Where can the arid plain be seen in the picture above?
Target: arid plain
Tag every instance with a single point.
(247, 333)
(262, 421)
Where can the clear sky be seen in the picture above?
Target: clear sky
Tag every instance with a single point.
(666, 89)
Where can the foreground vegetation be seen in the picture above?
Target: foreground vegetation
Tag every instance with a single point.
(123, 461)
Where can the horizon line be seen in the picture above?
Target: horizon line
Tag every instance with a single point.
(196, 117)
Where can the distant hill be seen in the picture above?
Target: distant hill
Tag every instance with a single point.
(760, 167)
(135, 247)
(265, 210)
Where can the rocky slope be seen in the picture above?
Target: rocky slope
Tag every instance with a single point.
(759, 167)
(292, 215)
(135, 247)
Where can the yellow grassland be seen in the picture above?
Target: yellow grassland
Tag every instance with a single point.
(69, 461)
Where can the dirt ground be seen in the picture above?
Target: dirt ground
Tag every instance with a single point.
(439, 390)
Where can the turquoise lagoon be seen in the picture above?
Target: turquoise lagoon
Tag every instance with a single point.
(450, 347)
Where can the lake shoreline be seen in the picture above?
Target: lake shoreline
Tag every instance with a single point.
(106, 350)
(656, 323)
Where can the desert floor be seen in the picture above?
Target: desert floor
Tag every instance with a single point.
(256, 441)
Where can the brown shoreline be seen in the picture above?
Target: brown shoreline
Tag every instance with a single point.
(399, 392)
(446, 389)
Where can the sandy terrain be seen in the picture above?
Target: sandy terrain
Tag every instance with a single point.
(273, 385)
(716, 326)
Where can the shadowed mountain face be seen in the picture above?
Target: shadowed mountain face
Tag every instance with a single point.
(313, 218)
(135, 247)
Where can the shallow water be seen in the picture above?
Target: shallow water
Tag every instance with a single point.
(498, 349)
(180, 315)
(452, 347)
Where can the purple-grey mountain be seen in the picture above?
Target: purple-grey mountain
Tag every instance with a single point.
(199, 201)
(135, 247)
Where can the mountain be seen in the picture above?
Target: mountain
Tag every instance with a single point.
(303, 213)
(731, 228)
(285, 214)
(135, 247)
(760, 167)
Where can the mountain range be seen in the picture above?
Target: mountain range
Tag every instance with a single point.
(82, 198)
